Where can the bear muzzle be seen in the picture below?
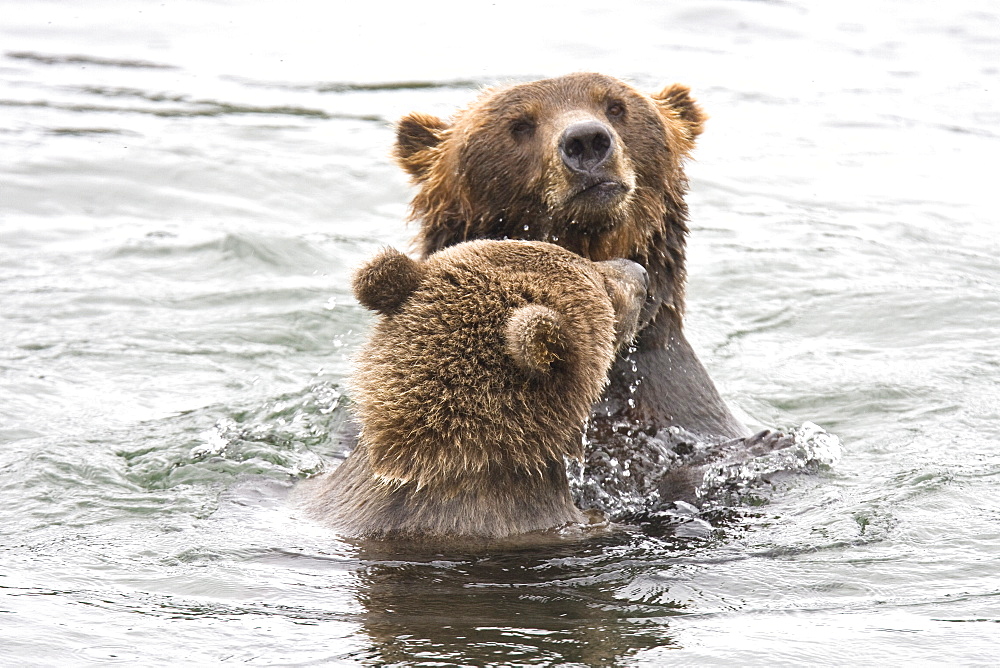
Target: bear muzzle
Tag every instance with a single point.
(590, 152)
(627, 284)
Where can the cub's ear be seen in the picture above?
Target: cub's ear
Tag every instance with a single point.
(386, 281)
(675, 101)
(534, 337)
(416, 136)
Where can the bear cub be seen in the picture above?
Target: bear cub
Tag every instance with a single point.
(473, 388)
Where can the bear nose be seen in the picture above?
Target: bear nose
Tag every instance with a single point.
(585, 146)
(633, 270)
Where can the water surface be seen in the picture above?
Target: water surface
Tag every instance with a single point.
(185, 189)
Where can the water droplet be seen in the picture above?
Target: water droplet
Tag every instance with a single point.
(526, 228)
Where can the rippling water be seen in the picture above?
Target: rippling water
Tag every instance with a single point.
(185, 189)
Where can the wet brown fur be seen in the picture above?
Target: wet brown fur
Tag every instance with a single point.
(493, 172)
(474, 387)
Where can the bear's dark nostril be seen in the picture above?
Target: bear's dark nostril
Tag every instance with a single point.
(586, 145)
(573, 148)
(601, 143)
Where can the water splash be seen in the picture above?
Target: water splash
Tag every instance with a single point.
(619, 475)
(809, 448)
(633, 472)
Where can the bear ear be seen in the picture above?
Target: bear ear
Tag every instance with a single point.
(416, 135)
(386, 281)
(677, 99)
(534, 337)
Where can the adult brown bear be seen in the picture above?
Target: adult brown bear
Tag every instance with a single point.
(590, 163)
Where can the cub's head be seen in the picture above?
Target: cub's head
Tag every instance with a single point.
(487, 354)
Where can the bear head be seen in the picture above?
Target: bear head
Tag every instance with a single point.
(486, 358)
(585, 161)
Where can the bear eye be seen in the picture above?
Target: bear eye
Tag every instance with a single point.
(522, 128)
(616, 109)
